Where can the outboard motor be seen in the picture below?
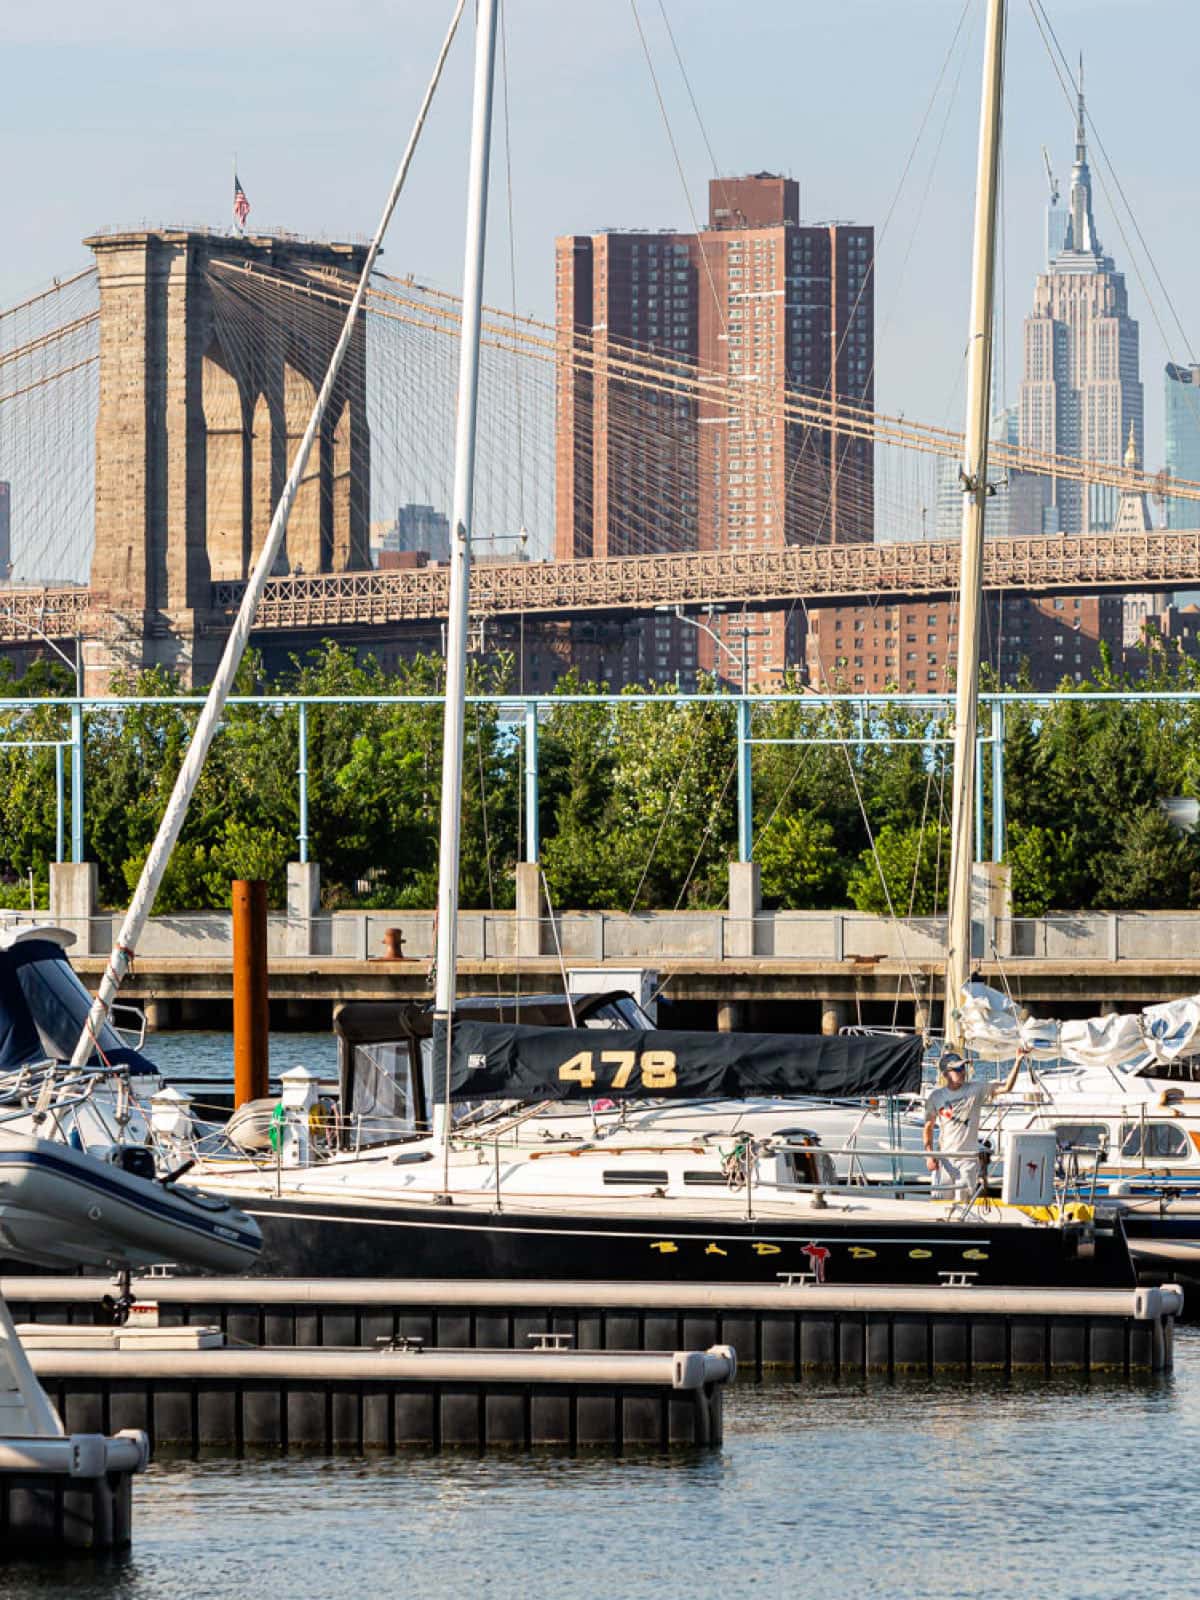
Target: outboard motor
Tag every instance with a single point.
(136, 1159)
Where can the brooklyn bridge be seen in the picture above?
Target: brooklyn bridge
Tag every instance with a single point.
(149, 404)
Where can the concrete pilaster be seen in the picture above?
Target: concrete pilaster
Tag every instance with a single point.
(531, 910)
(745, 902)
(303, 903)
(73, 887)
(729, 1016)
(157, 1014)
(834, 1015)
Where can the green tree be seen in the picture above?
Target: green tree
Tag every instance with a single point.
(1151, 867)
(1033, 852)
(905, 873)
(800, 863)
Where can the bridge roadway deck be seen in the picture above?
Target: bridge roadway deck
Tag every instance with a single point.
(825, 574)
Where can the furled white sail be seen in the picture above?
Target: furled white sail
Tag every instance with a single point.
(995, 1028)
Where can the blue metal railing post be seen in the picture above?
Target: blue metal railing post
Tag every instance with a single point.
(533, 843)
(77, 781)
(978, 797)
(59, 802)
(999, 842)
(302, 776)
(745, 794)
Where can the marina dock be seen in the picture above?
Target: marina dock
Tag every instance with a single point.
(195, 1389)
(72, 1493)
(793, 1328)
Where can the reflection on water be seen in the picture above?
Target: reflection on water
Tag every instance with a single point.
(913, 1492)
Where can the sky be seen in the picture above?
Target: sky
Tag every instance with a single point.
(124, 112)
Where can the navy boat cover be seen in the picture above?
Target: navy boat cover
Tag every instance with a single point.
(505, 1061)
(43, 1007)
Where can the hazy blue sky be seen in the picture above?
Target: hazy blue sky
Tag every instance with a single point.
(124, 112)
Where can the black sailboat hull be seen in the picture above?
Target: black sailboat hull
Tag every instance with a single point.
(313, 1238)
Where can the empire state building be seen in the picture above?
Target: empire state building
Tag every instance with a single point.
(1081, 394)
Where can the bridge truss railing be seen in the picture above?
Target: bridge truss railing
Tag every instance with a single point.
(757, 577)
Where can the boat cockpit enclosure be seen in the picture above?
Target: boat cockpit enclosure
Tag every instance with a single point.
(44, 1006)
(385, 1052)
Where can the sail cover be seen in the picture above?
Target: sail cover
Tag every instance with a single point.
(996, 1029)
(505, 1061)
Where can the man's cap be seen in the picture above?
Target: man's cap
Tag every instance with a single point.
(952, 1062)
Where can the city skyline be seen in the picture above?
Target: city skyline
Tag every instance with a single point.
(296, 125)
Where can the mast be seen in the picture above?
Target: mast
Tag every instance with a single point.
(460, 548)
(209, 719)
(975, 493)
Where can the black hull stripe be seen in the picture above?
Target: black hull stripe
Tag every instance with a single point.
(484, 1225)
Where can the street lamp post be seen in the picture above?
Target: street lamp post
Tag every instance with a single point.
(746, 635)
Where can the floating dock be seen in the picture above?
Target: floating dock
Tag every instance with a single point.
(189, 1390)
(72, 1493)
(794, 1327)
(59, 1492)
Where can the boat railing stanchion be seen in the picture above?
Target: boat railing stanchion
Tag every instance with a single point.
(750, 1159)
(496, 1165)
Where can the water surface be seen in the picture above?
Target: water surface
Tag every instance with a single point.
(201, 1053)
(929, 1491)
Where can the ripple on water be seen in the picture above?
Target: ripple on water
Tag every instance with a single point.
(922, 1491)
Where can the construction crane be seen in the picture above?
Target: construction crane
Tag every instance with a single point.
(1050, 178)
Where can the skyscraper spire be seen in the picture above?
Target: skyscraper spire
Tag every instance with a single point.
(1081, 226)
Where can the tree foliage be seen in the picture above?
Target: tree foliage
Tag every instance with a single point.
(637, 802)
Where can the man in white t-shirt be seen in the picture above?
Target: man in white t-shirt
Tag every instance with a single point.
(954, 1109)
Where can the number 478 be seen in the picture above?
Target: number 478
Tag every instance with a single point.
(656, 1068)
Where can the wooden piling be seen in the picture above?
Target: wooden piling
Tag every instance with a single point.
(251, 1015)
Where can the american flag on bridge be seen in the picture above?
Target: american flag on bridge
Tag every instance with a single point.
(241, 206)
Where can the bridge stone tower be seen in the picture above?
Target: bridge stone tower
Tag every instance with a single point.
(212, 349)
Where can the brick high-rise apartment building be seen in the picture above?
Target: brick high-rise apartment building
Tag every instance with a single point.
(772, 312)
(912, 645)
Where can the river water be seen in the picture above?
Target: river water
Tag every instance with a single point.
(912, 1491)
(202, 1054)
